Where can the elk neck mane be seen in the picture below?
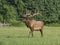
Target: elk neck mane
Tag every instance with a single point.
(27, 23)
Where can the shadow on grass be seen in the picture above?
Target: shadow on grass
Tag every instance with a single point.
(17, 37)
(5, 36)
(1, 43)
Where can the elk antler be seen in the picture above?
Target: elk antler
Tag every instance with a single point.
(31, 14)
(26, 15)
(34, 14)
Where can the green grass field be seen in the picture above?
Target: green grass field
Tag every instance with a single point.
(19, 36)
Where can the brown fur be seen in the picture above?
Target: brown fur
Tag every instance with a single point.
(34, 25)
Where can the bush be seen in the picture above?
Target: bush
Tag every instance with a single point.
(19, 23)
(54, 25)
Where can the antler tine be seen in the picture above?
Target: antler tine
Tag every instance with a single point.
(34, 14)
(25, 15)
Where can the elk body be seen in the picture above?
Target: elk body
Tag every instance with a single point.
(34, 25)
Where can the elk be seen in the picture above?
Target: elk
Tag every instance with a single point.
(33, 25)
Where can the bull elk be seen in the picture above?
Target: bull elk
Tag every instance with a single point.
(33, 25)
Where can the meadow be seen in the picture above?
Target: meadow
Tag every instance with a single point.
(19, 36)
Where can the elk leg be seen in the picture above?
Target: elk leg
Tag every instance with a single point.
(32, 33)
(29, 33)
(41, 32)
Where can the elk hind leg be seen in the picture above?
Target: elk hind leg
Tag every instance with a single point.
(41, 32)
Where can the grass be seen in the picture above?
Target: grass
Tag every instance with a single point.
(19, 36)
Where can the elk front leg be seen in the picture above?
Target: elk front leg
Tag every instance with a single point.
(30, 33)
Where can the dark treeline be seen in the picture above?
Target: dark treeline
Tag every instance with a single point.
(11, 10)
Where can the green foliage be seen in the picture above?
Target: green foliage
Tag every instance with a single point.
(11, 10)
(1, 18)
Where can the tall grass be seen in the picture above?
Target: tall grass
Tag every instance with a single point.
(19, 36)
